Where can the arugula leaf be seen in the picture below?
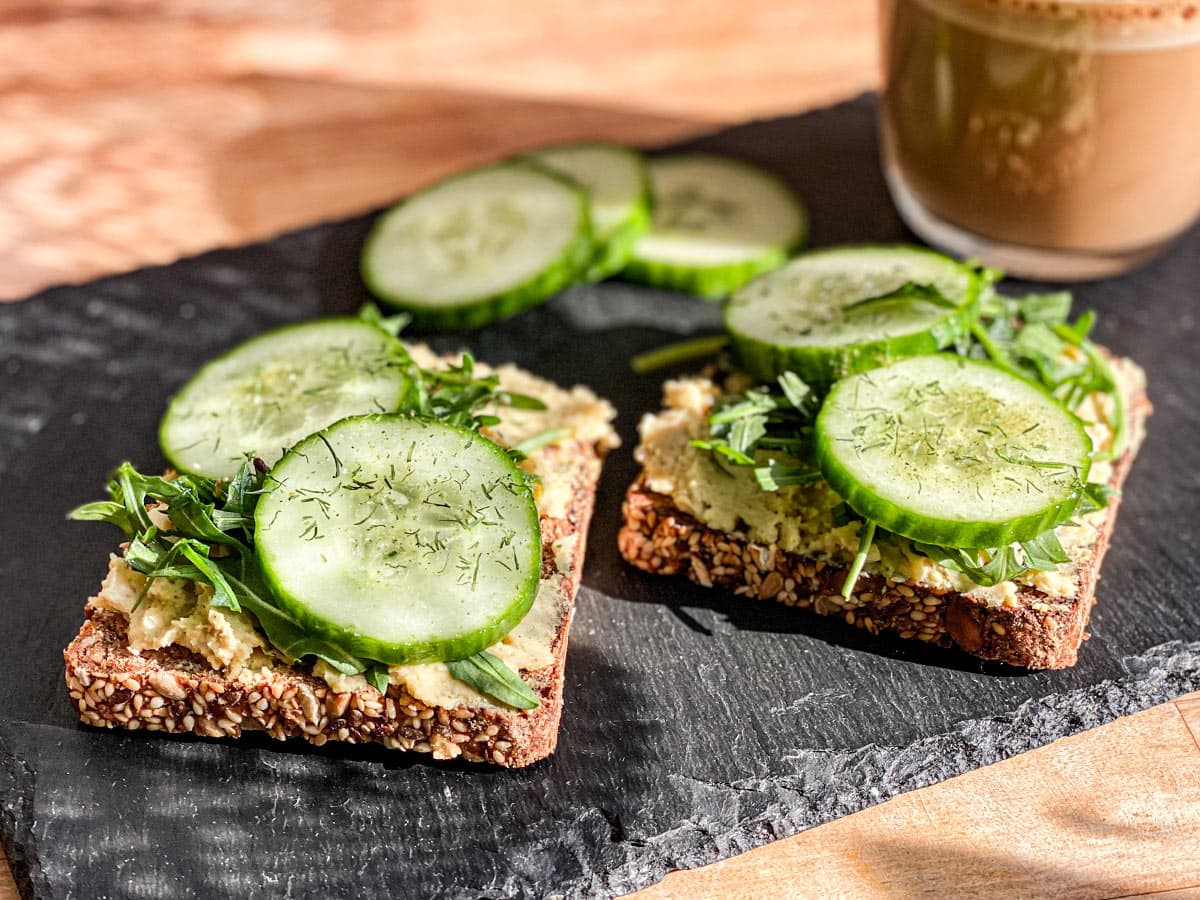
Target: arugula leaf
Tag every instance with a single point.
(377, 676)
(283, 631)
(518, 401)
(678, 352)
(392, 324)
(197, 554)
(455, 395)
(489, 675)
(1093, 497)
(799, 394)
(1044, 552)
(745, 433)
(746, 427)
(241, 494)
(986, 567)
(720, 448)
(775, 476)
(540, 440)
(109, 511)
(1078, 332)
(992, 565)
(1050, 308)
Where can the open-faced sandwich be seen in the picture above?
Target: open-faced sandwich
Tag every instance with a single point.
(898, 445)
(358, 541)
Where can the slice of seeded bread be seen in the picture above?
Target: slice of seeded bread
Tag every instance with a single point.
(1026, 628)
(176, 690)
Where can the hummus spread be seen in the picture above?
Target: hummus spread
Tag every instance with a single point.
(800, 519)
(180, 612)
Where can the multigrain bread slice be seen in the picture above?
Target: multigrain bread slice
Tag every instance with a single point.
(1020, 624)
(227, 681)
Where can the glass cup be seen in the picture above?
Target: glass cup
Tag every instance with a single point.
(1055, 140)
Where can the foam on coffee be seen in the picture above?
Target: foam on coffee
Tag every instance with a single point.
(1075, 24)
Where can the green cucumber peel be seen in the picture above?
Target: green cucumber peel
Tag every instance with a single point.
(952, 452)
(831, 313)
(480, 245)
(447, 530)
(266, 393)
(617, 183)
(718, 222)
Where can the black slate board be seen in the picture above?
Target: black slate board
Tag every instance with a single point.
(697, 725)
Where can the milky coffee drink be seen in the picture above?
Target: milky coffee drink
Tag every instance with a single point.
(1056, 139)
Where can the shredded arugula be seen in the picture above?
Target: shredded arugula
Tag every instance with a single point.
(993, 565)
(769, 431)
(1033, 337)
(203, 529)
(208, 540)
(679, 352)
(1030, 336)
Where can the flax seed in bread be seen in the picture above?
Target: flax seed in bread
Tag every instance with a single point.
(683, 517)
(178, 664)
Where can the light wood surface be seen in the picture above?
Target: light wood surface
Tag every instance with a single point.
(140, 131)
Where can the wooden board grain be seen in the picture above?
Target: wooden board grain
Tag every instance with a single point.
(1109, 813)
(140, 131)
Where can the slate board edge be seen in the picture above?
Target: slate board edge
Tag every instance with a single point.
(17, 791)
(874, 774)
(862, 778)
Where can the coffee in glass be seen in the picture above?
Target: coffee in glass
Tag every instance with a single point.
(1056, 140)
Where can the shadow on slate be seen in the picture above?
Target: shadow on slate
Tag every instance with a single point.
(697, 725)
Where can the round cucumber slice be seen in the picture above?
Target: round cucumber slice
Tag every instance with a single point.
(619, 187)
(718, 222)
(826, 314)
(951, 451)
(262, 396)
(402, 540)
(479, 246)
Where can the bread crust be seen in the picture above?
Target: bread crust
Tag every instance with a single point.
(1035, 632)
(174, 690)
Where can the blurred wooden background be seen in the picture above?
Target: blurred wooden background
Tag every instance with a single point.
(132, 133)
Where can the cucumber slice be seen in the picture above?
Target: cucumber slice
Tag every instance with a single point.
(479, 246)
(262, 396)
(717, 223)
(809, 317)
(619, 187)
(402, 540)
(952, 451)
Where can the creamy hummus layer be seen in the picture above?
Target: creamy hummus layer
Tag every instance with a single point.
(800, 520)
(180, 612)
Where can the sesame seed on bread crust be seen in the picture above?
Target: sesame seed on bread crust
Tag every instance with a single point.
(1033, 630)
(175, 690)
